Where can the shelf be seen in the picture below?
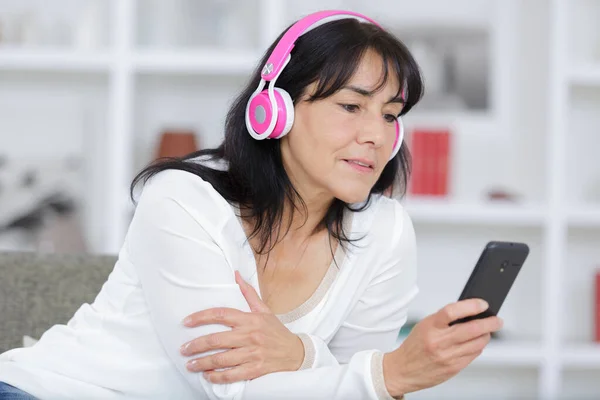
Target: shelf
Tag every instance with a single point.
(53, 60)
(450, 117)
(467, 122)
(526, 354)
(462, 14)
(508, 354)
(147, 61)
(446, 212)
(581, 356)
(473, 116)
(584, 217)
(587, 75)
(196, 61)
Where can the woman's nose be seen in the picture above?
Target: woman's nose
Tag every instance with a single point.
(373, 130)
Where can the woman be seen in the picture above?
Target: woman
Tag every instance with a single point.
(271, 269)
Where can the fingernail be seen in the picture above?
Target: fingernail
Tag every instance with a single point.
(483, 305)
(184, 349)
(187, 321)
(191, 365)
(206, 376)
(240, 277)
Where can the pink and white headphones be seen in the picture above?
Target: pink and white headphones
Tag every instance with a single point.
(270, 112)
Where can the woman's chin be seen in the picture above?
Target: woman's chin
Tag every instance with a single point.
(357, 195)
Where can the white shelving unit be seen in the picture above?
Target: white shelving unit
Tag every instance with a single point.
(588, 75)
(53, 60)
(574, 78)
(518, 354)
(584, 217)
(195, 62)
(581, 356)
(502, 214)
(450, 233)
(515, 354)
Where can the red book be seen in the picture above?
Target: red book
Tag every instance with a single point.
(443, 161)
(430, 149)
(436, 163)
(429, 157)
(597, 308)
(417, 147)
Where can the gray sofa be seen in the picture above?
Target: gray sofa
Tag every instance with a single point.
(40, 290)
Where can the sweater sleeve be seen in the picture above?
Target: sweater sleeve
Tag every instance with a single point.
(182, 269)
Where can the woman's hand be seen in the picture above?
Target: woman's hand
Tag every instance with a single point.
(434, 352)
(257, 345)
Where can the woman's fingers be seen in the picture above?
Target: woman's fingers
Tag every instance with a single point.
(252, 298)
(219, 315)
(244, 372)
(471, 348)
(225, 359)
(467, 331)
(458, 310)
(215, 341)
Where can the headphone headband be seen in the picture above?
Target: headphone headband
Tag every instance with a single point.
(284, 47)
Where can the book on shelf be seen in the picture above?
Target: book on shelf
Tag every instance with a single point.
(597, 307)
(431, 152)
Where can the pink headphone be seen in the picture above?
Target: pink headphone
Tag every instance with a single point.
(270, 112)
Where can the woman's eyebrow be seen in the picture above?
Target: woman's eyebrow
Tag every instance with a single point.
(369, 93)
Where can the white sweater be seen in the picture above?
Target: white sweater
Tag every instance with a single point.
(179, 256)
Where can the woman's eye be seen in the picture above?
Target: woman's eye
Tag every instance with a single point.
(390, 117)
(350, 107)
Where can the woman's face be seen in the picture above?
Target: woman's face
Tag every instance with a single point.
(338, 146)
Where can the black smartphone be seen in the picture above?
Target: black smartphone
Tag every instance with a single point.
(493, 276)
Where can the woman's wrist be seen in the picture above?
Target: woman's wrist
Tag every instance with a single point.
(392, 375)
(304, 355)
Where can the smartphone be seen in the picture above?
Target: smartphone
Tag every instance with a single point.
(493, 276)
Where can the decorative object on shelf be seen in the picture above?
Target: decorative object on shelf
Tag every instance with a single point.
(177, 143)
(39, 206)
(61, 231)
(411, 322)
(502, 195)
(431, 152)
(597, 307)
(407, 327)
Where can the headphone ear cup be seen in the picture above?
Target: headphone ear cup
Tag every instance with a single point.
(399, 137)
(259, 115)
(285, 116)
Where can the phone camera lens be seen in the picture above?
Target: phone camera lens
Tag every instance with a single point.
(504, 264)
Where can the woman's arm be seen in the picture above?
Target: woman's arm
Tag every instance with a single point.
(182, 269)
(373, 323)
